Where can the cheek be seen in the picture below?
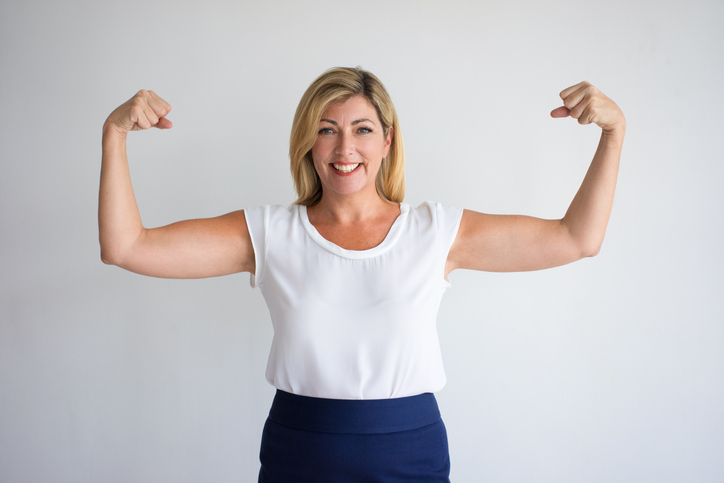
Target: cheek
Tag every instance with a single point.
(315, 155)
(381, 150)
(319, 150)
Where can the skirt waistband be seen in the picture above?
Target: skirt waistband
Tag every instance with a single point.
(344, 416)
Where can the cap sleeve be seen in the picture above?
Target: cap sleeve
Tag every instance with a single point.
(447, 223)
(257, 222)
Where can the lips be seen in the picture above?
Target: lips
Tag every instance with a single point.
(345, 168)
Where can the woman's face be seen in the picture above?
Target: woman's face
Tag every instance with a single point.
(349, 148)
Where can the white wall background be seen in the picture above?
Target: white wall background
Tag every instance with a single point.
(610, 369)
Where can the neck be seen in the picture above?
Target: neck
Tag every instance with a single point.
(345, 209)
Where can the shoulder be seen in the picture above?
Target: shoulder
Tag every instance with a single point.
(438, 214)
(261, 216)
(436, 222)
(266, 211)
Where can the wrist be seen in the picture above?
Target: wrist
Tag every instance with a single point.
(616, 132)
(112, 132)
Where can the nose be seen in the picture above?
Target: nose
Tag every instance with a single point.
(345, 145)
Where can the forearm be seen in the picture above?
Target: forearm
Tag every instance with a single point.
(119, 221)
(587, 216)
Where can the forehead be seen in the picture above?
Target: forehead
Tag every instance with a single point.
(352, 109)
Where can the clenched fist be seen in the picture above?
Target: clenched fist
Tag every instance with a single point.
(142, 111)
(590, 106)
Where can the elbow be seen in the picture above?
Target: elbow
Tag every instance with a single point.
(107, 256)
(583, 243)
(106, 259)
(110, 253)
(115, 249)
(594, 251)
(590, 248)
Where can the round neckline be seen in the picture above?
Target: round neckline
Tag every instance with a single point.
(392, 236)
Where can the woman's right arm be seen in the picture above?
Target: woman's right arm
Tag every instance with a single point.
(187, 249)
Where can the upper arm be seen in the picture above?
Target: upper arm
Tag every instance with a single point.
(511, 243)
(192, 249)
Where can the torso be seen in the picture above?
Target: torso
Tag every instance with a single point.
(353, 324)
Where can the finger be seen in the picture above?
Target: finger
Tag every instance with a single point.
(138, 116)
(164, 123)
(141, 100)
(150, 114)
(569, 90)
(595, 113)
(578, 97)
(159, 106)
(578, 109)
(560, 112)
(585, 118)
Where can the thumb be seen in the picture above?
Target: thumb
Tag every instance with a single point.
(164, 123)
(560, 112)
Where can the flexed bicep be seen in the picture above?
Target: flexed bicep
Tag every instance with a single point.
(510, 243)
(520, 243)
(187, 249)
(196, 248)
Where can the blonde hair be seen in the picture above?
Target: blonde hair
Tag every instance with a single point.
(338, 85)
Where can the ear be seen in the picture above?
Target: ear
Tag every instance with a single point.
(388, 140)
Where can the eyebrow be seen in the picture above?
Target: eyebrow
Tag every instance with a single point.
(354, 123)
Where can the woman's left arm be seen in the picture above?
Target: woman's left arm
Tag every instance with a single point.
(505, 243)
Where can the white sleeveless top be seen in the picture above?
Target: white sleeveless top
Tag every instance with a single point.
(353, 324)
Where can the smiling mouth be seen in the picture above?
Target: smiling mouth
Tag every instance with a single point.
(345, 168)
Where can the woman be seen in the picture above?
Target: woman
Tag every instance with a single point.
(352, 276)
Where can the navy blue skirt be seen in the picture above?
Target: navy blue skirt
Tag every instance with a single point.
(317, 440)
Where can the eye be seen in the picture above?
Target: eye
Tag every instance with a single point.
(364, 130)
(326, 130)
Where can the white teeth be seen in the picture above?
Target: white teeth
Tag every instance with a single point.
(345, 168)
